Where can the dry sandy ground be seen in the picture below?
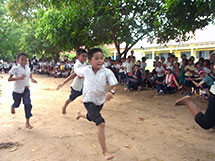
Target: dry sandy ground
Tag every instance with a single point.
(141, 126)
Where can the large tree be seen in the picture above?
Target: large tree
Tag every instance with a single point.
(70, 24)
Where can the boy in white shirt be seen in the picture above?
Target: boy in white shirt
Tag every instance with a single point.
(96, 79)
(77, 84)
(21, 86)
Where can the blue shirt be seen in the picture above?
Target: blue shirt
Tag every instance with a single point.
(208, 80)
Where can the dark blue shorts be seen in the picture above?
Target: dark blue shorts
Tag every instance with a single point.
(17, 97)
(74, 94)
(93, 113)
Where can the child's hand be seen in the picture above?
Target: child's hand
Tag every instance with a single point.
(21, 77)
(34, 81)
(80, 77)
(60, 86)
(180, 87)
(109, 96)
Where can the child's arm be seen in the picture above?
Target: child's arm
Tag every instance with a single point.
(110, 94)
(15, 79)
(72, 76)
(1, 77)
(33, 80)
(176, 82)
(198, 84)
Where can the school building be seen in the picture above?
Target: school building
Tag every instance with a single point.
(201, 49)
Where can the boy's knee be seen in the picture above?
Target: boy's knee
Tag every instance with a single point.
(102, 125)
(100, 122)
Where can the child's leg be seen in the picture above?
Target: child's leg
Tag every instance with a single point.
(74, 94)
(205, 121)
(191, 106)
(81, 115)
(68, 101)
(95, 116)
(17, 100)
(102, 141)
(28, 107)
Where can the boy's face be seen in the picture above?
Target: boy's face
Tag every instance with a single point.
(82, 57)
(22, 60)
(97, 60)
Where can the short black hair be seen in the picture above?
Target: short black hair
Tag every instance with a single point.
(80, 51)
(91, 52)
(21, 54)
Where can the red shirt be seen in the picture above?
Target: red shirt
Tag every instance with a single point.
(170, 78)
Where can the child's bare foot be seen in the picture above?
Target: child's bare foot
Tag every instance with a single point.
(28, 125)
(182, 101)
(108, 156)
(78, 115)
(63, 110)
(13, 110)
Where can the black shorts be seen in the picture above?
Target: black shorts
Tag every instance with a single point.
(207, 120)
(93, 112)
(74, 94)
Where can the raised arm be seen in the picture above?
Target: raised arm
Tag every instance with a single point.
(198, 84)
(72, 76)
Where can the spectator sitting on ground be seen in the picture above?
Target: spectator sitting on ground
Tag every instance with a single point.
(170, 82)
(135, 80)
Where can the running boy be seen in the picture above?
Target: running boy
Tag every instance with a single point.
(96, 79)
(77, 84)
(21, 86)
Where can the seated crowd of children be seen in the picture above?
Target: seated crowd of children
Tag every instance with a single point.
(168, 76)
(57, 69)
(187, 77)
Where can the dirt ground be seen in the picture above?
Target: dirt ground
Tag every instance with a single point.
(140, 126)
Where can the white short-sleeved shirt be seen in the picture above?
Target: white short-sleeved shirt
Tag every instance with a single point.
(77, 83)
(95, 84)
(17, 71)
(160, 71)
(129, 67)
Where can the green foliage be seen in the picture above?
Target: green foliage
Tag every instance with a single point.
(44, 28)
(179, 17)
(106, 51)
(9, 35)
(70, 55)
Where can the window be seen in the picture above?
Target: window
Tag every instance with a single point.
(165, 55)
(148, 56)
(204, 54)
(187, 53)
